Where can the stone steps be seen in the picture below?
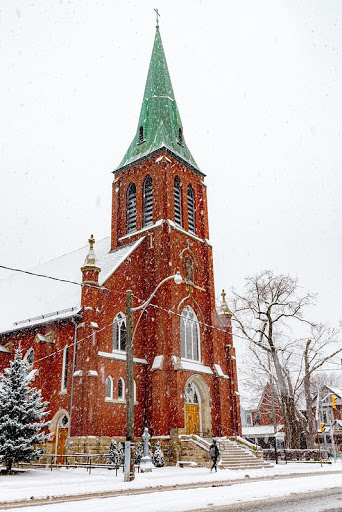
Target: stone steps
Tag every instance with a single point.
(234, 457)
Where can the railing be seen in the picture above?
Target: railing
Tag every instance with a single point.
(205, 435)
(72, 460)
(240, 440)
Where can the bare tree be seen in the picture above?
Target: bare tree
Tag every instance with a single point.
(316, 352)
(264, 315)
(326, 378)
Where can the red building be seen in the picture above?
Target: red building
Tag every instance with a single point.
(75, 336)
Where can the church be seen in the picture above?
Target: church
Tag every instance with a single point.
(71, 324)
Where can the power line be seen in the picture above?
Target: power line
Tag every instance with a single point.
(169, 311)
(61, 280)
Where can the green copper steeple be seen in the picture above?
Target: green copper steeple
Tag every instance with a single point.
(160, 124)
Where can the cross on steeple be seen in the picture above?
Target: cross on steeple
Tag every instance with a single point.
(223, 295)
(157, 17)
(91, 242)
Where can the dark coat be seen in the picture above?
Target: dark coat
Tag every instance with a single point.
(214, 451)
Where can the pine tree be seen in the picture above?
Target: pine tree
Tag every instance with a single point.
(22, 414)
(139, 452)
(121, 454)
(111, 459)
(115, 454)
(158, 456)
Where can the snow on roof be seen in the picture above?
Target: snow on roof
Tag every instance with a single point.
(27, 300)
(335, 391)
(260, 430)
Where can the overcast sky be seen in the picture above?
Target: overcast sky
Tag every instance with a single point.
(258, 86)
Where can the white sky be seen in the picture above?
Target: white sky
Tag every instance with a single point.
(258, 85)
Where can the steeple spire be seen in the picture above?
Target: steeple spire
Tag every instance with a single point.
(159, 124)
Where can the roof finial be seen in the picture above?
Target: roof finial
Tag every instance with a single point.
(223, 295)
(157, 17)
(91, 242)
(224, 307)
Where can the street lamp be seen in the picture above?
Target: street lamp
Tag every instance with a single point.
(129, 461)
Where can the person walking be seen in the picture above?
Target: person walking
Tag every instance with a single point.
(214, 453)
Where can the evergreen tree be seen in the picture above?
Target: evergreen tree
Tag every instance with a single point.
(121, 454)
(22, 414)
(158, 456)
(113, 453)
(139, 452)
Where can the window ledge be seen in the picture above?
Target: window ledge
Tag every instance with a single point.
(196, 366)
(63, 392)
(120, 356)
(118, 401)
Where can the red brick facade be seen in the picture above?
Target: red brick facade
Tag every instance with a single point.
(161, 374)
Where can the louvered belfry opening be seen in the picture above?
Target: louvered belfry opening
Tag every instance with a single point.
(180, 136)
(131, 208)
(178, 201)
(148, 201)
(141, 134)
(191, 210)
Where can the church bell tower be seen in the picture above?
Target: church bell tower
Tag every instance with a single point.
(159, 195)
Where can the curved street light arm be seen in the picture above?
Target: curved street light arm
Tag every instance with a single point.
(177, 278)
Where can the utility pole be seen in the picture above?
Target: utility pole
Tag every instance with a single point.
(129, 460)
(322, 421)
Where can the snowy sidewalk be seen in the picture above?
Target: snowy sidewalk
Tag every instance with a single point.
(147, 493)
(45, 484)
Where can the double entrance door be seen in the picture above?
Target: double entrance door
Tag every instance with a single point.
(192, 418)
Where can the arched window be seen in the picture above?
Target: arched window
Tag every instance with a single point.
(190, 335)
(180, 136)
(191, 394)
(131, 208)
(178, 201)
(141, 134)
(148, 201)
(121, 389)
(65, 368)
(191, 210)
(109, 388)
(29, 356)
(119, 332)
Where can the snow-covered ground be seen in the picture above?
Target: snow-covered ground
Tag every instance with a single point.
(59, 482)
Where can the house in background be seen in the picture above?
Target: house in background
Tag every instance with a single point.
(261, 424)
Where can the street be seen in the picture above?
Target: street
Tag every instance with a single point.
(329, 500)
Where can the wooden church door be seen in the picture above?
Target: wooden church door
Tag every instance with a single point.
(192, 410)
(62, 436)
(192, 419)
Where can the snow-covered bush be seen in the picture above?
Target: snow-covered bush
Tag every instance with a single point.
(116, 454)
(22, 415)
(112, 458)
(138, 453)
(121, 454)
(158, 456)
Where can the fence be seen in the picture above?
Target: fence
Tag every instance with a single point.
(77, 460)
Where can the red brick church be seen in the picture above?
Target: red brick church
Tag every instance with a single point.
(74, 337)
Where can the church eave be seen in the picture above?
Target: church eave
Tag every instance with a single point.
(162, 149)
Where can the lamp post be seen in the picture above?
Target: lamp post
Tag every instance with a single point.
(129, 461)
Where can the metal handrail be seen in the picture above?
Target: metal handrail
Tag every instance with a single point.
(207, 436)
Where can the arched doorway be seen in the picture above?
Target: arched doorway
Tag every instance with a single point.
(60, 425)
(197, 406)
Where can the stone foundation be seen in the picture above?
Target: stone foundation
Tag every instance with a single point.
(191, 451)
(100, 445)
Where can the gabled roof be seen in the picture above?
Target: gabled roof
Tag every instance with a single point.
(27, 300)
(159, 121)
(335, 391)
